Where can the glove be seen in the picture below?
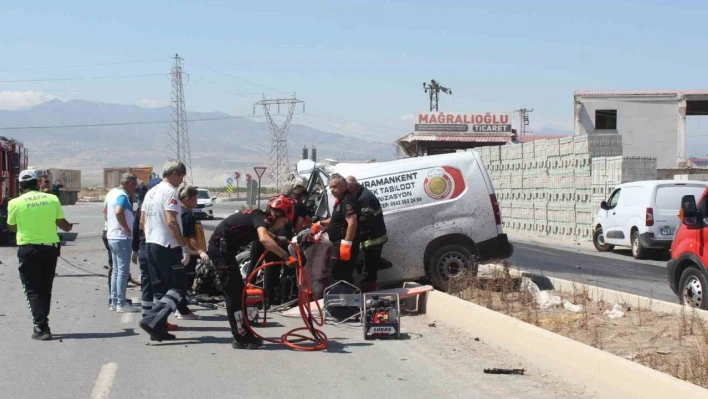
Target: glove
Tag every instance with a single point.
(134, 258)
(345, 250)
(185, 255)
(290, 261)
(316, 228)
(204, 257)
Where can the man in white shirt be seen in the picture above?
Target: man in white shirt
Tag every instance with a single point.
(118, 211)
(167, 249)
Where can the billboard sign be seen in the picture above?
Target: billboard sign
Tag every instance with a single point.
(463, 123)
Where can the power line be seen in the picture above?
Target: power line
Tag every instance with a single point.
(119, 123)
(366, 135)
(84, 65)
(84, 78)
(239, 78)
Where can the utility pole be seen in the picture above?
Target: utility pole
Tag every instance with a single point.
(278, 165)
(434, 88)
(524, 121)
(178, 126)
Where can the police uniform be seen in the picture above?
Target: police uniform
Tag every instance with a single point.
(340, 269)
(34, 215)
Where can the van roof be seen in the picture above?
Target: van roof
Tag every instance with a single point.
(424, 161)
(654, 183)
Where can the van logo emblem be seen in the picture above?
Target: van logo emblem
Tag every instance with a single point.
(444, 182)
(437, 184)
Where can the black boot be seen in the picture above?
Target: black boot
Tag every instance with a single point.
(246, 342)
(42, 333)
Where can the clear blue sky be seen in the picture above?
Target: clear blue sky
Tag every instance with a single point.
(359, 61)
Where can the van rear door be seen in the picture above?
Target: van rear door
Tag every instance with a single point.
(666, 205)
(492, 195)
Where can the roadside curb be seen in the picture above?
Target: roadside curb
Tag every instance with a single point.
(608, 375)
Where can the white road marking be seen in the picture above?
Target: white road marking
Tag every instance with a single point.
(127, 318)
(104, 382)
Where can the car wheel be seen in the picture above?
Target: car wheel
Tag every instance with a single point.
(692, 288)
(452, 262)
(598, 240)
(638, 251)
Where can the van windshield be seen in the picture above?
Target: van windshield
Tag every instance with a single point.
(203, 194)
(669, 197)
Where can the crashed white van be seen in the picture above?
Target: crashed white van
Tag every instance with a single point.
(441, 213)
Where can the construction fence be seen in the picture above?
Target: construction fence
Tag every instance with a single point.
(554, 187)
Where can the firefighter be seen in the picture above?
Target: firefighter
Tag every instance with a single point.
(229, 237)
(35, 215)
(342, 230)
(372, 233)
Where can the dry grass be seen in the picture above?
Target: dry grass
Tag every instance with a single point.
(676, 344)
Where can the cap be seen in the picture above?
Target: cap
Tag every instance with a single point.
(28, 175)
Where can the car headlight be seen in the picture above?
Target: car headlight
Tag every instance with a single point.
(209, 204)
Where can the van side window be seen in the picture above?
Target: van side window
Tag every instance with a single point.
(614, 199)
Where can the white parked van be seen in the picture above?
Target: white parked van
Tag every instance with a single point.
(643, 215)
(440, 211)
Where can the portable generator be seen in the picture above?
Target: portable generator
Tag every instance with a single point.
(254, 297)
(381, 316)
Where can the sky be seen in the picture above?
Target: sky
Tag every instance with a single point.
(358, 65)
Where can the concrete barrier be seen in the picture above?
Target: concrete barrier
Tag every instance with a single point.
(608, 375)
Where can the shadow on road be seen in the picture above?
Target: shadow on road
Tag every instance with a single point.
(79, 275)
(660, 256)
(226, 328)
(333, 346)
(127, 332)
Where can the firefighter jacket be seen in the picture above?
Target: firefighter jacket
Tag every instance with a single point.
(372, 228)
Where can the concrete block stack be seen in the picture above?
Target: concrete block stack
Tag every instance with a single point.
(608, 172)
(554, 187)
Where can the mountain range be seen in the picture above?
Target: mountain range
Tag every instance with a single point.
(218, 147)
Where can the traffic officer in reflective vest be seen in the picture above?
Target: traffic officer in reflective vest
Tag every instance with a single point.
(372, 233)
(35, 215)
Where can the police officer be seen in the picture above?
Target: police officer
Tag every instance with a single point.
(342, 230)
(35, 215)
(372, 233)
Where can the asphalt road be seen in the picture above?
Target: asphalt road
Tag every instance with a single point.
(617, 271)
(102, 354)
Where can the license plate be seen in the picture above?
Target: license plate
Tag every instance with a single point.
(668, 231)
(197, 210)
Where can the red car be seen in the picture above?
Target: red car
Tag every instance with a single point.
(687, 272)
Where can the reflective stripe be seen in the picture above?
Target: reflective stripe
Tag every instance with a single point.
(375, 241)
(377, 213)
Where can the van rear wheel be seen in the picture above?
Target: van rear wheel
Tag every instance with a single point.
(452, 263)
(598, 240)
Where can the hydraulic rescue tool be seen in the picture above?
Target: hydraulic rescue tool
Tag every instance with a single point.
(293, 338)
(381, 317)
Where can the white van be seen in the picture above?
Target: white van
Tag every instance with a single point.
(643, 215)
(441, 213)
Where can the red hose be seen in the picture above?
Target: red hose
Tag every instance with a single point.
(291, 338)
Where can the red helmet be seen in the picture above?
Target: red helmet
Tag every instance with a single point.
(284, 205)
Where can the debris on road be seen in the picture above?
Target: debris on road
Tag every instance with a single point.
(616, 312)
(432, 324)
(571, 307)
(504, 371)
